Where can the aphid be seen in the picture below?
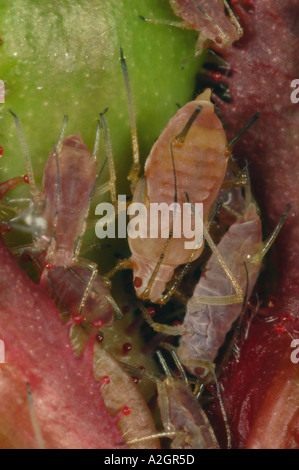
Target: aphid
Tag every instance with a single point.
(187, 163)
(184, 421)
(209, 18)
(211, 311)
(69, 181)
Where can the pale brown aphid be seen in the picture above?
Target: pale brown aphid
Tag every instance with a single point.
(184, 421)
(194, 143)
(212, 309)
(209, 18)
(69, 181)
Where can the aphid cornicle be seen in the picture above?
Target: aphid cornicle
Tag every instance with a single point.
(69, 181)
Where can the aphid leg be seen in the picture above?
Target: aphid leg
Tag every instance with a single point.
(220, 300)
(51, 248)
(94, 271)
(111, 184)
(239, 177)
(133, 176)
(120, 266)
(159, 327)
(175, 357)
(233, 18)
(33, 188)
(84, 224)
(256, 259)
(34, 420)
(227, 428)
(175, 24)
(232, 346)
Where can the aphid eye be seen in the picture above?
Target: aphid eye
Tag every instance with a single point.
(285, 317)
(280, 329)
(77, 319)
(105, 380)
(125, 309)
(98, 324)
(100, 337)
(126, 348)
(126, 410)
(151, 311)
(217, 76)
(49, 266)
(26, 179)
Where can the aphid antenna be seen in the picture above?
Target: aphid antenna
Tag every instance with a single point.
(110, 186)
(34, 420)
(58, 194)
(136, 167)
(169, 434)
(134, 371)
(221, 203)
(164, 365)
(61, 137)
(33, 188)
(80, 238)
(97, 138)
(176, 359)
(242, 131)
(227, 428)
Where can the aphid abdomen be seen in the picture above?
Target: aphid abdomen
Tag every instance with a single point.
(200, 161)
(67, 195)
(206, 326)
(189, 10)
